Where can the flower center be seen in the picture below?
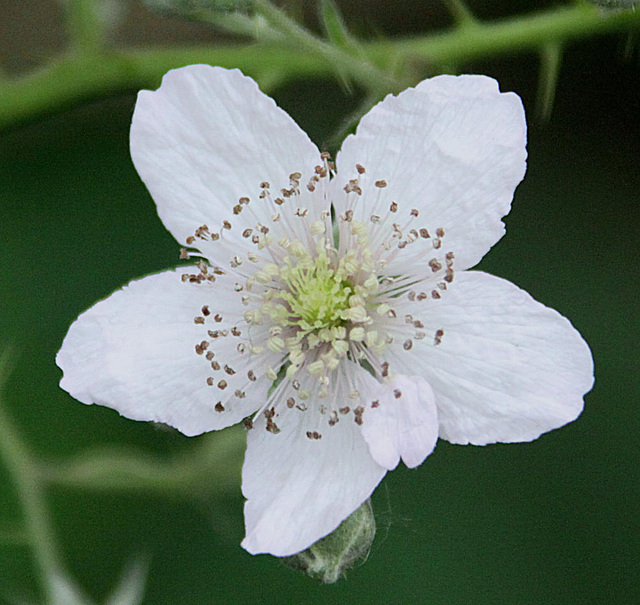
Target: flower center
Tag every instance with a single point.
(317, 295)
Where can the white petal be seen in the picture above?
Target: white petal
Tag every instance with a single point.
(403, 423)
(507, 368)
(452, 148)
(207, 137)
(134, 352)
(299, 489)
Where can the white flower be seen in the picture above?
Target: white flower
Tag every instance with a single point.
(332, 307)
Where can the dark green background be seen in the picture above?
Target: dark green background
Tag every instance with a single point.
(553, 521)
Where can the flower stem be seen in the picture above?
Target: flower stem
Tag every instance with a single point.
(73, 78)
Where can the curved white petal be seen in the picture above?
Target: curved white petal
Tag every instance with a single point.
(207, 137)
(507, 368)
(135, 352)
(453, 148)
(400, 421)
(299, 489)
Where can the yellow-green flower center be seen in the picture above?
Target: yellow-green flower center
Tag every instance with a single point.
(317, 295)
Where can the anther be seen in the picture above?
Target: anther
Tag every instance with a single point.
(435, 265)
(438, 337)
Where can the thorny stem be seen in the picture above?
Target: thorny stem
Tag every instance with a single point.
(211, 466)
(76, 77)
(84, 25)
(22, 468)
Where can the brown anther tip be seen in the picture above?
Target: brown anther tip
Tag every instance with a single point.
(381, 184)
(247, 423)
(183, 254)
(190, 239)
(219, 407)
(360, 168)
(397, 393)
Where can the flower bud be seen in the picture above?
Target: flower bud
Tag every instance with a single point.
(330, 557)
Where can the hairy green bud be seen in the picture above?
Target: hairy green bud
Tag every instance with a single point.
(329, 558)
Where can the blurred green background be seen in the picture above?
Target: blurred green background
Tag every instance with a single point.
(553, 521)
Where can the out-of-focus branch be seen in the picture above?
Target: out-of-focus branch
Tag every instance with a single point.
(73, 78)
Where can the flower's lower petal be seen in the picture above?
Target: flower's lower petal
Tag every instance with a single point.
(207, 137)
(134, 352)
(400, 421)
(299, 489)
(452, 148)
(506, 368)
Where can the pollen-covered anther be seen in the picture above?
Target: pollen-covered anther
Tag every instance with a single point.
(314, 435)
(201, 347)
(435, 265)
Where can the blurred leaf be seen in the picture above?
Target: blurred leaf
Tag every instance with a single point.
(63, 591)
(130, 589)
